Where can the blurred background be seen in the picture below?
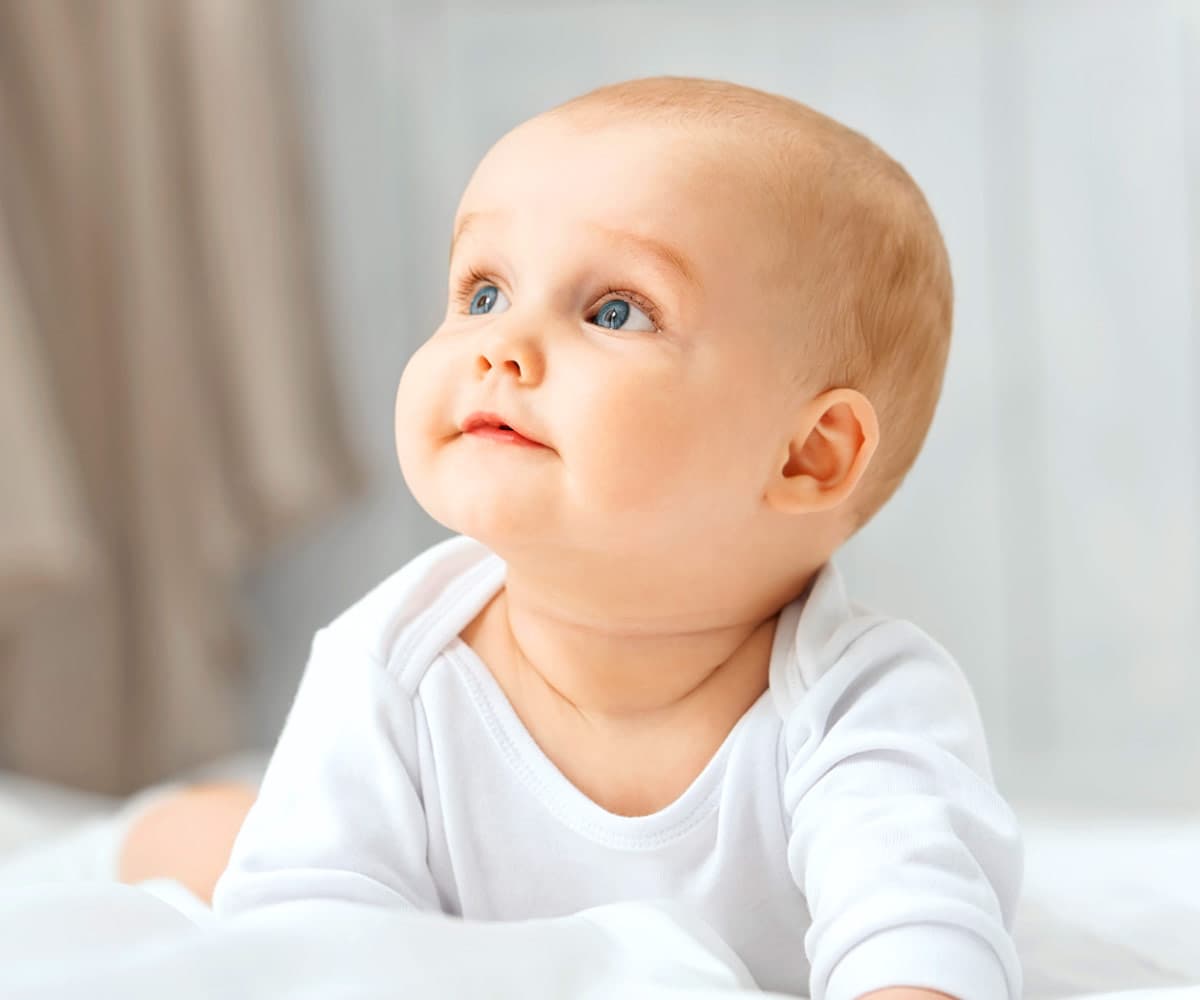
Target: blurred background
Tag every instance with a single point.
(223, 230)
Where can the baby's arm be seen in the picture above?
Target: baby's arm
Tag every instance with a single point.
(339, 813)
(910, 860)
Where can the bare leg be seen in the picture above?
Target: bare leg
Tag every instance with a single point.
(187, 836)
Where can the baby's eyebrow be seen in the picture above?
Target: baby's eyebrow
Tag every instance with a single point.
(667, 256)
(670, 257)
(464, 224)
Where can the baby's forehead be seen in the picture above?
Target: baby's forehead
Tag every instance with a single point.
(625, 171)
(670, 229)
(559, 147)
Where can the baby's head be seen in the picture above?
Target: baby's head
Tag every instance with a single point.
(723, 316)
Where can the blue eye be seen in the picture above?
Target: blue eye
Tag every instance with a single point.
(486, 300)
(615, 313)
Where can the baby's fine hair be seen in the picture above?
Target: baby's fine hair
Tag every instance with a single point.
(859, 244)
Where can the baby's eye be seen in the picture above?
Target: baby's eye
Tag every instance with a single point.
(488, 299)
(614, 314)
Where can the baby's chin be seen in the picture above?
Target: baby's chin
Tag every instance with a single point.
(499, 526)
(505, 512)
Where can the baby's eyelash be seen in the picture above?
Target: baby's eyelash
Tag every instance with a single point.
(468, 282)
(643, 303)
(473, 278)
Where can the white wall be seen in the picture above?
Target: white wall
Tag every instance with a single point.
(1050, 533)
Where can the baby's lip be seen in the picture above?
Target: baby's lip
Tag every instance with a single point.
(484, 418)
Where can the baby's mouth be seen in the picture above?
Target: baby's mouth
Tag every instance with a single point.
(494, 427)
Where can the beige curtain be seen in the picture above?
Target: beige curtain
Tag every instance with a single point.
(166, 401)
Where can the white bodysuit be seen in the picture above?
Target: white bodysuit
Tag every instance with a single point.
(846, 836)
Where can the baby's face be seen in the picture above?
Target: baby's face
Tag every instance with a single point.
(607, 301)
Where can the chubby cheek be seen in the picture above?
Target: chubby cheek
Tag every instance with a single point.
(648, 451)
(681, 453)
(415, 415)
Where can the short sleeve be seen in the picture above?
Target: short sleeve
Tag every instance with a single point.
(909, 858)
(339, 812)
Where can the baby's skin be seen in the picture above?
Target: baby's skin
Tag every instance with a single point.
(186, 835)
(625, 401)
(607, 302)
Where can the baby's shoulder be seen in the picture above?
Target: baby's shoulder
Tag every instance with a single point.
(832, 652)
(403, 621)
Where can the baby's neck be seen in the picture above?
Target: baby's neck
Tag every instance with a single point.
(619, 675)
(629, 712)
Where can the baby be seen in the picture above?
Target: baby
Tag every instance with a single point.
(695, 337)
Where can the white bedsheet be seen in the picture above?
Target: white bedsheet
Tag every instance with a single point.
(1111, 909)
(1110, 903)
(101, 941)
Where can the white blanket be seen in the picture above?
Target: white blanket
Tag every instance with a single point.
(102, 940)
(105, 940)
(1110, 910)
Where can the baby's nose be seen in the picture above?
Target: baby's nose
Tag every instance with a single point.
(512, 354)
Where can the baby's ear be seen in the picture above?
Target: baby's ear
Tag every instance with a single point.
(824, 460)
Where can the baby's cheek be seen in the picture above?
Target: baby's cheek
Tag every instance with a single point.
(415, 412)
(643, 453)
